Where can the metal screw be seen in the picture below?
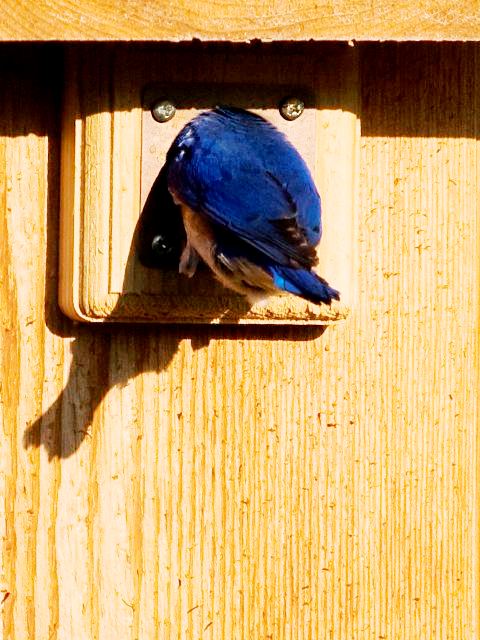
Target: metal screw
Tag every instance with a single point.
(163, 110)
(292, 108)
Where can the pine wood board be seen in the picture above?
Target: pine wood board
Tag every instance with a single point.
(239, 21)
(252, 482)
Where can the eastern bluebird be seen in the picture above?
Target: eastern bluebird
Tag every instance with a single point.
(249, 206)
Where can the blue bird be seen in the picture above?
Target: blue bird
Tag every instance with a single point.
(249, 205)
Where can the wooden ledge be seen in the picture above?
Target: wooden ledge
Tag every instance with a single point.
(238, 21)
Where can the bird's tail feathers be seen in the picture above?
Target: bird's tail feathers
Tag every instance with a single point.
(303, 283)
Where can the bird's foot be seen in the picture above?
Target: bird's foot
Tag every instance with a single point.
(188, 261)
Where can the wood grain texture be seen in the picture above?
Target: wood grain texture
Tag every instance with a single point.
(252, 482)
(239, 21)
(112, 151)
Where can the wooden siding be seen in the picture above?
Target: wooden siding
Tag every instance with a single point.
(246, 482)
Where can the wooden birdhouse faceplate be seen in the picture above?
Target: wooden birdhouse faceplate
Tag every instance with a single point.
(113, 149)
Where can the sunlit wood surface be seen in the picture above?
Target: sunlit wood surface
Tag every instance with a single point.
(249, 483)
(239, 20)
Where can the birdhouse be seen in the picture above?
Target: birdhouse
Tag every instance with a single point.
(177, 462)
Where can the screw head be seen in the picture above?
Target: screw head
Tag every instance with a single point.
(292, 108)
(163, 110)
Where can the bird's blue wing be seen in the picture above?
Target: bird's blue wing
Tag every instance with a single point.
(239, 171)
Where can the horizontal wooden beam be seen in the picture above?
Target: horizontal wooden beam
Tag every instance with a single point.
(239, 20)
